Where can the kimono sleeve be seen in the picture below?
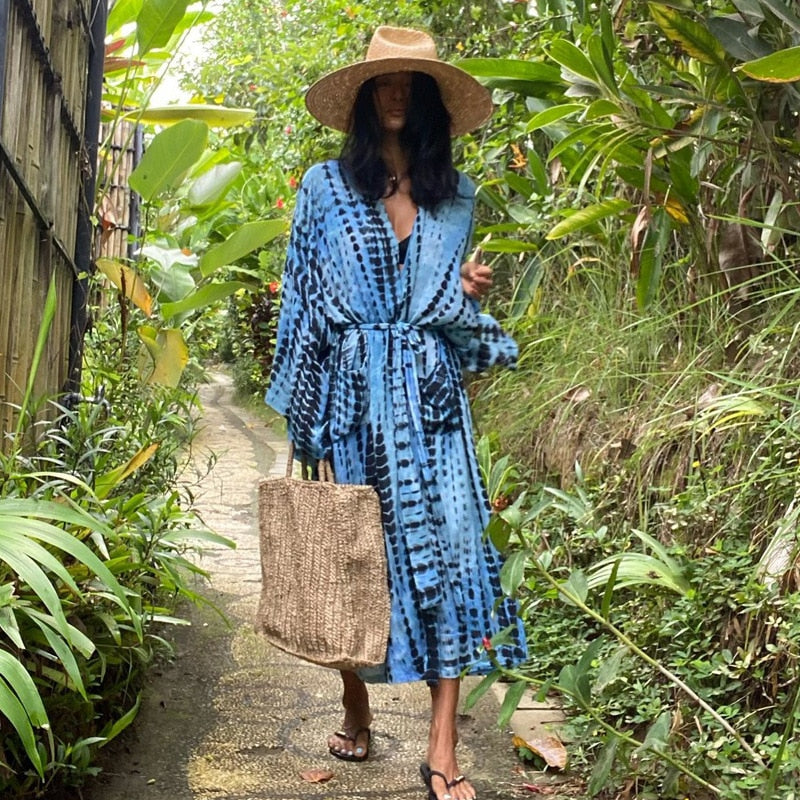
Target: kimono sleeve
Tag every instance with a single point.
(478, 338)
(299, 381)
(481, 343)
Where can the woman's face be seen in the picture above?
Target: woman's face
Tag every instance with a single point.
(392, 92)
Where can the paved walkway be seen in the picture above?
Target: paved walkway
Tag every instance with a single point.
(231, 718)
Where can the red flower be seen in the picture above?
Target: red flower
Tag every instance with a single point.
(487, 644)
(252, 87)
(273, 287)
(500, 502)
(279, 203)
(292, 182)
(288, 130)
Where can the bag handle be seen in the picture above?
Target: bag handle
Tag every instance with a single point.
(324, 468)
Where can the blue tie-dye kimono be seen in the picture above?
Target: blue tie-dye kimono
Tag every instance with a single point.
(367, 370)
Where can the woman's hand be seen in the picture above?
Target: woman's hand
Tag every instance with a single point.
(476, 278)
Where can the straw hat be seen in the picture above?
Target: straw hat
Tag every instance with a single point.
(332, 97)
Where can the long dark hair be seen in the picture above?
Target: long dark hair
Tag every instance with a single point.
(425, 138)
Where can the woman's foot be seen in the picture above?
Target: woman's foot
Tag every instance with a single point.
(441, 773)
(351, 743)
(444, 780)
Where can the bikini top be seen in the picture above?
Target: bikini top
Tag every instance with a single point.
(402, 247)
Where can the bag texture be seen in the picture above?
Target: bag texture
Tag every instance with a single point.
(324, 595)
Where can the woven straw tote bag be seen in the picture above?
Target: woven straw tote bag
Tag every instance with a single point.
(325, 595)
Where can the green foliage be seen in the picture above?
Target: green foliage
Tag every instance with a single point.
(637, 183)
(95, 544)
(96, 539)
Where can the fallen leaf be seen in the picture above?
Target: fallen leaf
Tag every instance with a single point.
(549, 748)
(532, 787)
(316, 775)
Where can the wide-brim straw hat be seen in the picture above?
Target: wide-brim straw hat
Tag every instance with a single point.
(332, 97)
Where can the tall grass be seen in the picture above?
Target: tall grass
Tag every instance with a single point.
(684, 423)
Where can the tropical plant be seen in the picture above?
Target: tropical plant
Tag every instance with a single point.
(636, 181)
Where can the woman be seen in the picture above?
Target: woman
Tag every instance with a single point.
(378, 320)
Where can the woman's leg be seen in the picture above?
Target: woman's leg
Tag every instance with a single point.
(352, 742)
(442, 742)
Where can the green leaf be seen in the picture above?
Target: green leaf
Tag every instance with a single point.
(601, 108)
(509, 246)
(734, 36)
(105, 483)
(651, 258)
(587, 659)
(157, 21)
(204, 296)
(519, 184)
(12, 709)
(122, 12)
(499, 532)
(512, 572)
(695, 39)
(602, 64)
(22, 540)
(13, 512)
(524, 298)
(168, 351)
(30, 573)
(212, 185)
(780, 67)
(577, 586)
(657, 738)
(76, 639)
(609, 669)
(538, 172)
(782, 10)
(605, 608)
(491, 198)
(588, 216)
(198, 534)
(634, 568)
(249, 237)
(552, 115)
(113, 730)
(511, 68)
(511, 700)
(167, 159)
(522, 214)
(10, 626)
(566, 681)
(21, 682)
(211, 115)
(480, 690)
(174, 283)
(66, 657)
(603, 766)
(49, 312)
(573, 59)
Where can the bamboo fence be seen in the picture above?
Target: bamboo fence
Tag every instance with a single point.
(44, 53)
(118, 209)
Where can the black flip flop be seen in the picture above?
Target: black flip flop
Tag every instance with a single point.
(344, 755)
(427, 777)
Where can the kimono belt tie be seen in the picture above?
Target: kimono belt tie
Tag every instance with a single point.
(418, 495)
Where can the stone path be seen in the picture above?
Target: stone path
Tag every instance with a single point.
(231, 718)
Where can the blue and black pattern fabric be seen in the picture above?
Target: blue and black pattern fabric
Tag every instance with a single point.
(368, 371)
